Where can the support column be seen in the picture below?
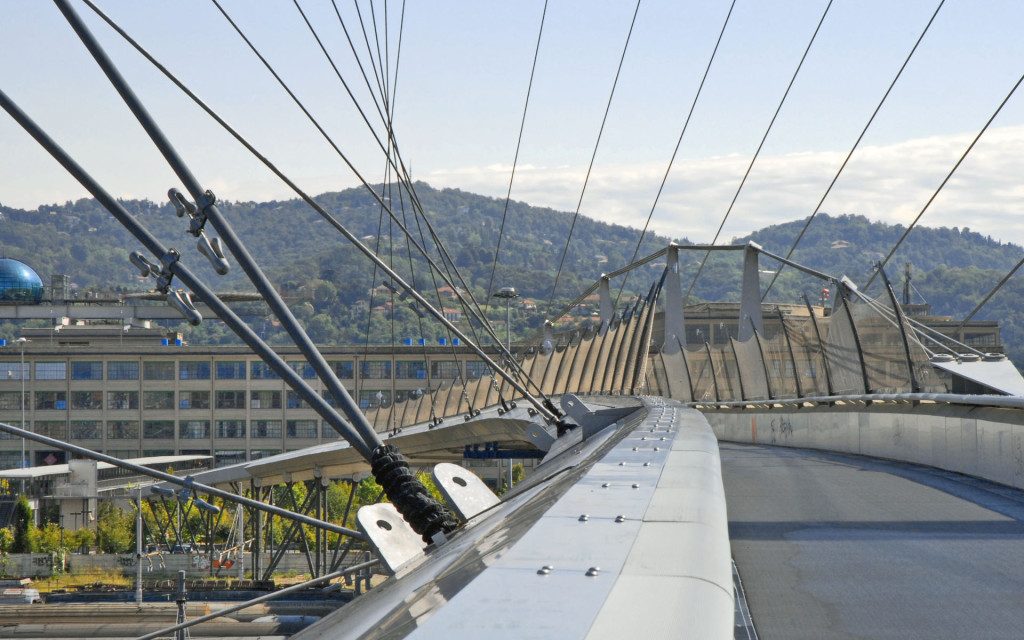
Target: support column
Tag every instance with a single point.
(674, 338)
(750, 301)
(607, 311)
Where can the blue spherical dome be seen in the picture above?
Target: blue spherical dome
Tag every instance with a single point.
(19, 283)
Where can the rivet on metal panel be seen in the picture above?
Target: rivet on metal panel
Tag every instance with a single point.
(545, 570)
(636, 448)
(620, 518)
(644, 438)
(647, 464)
(657, 448)
(593, 571)
(622, 464)
(636, 486)
(606, 485)
(584, 518)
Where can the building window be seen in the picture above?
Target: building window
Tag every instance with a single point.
(158, 429)
(11, 400)
(198, 370)
(194, 429)
(51, 400)
(444, 369)
(261, 371)
(123, 454)
(123, 430)
(86, 430)
(122, 400)
(231, 370)
(301, 428)
(328, 432)
(231, 428)
(304, 369)
(128, 370)
(157, 400)
(256, 454)
(411, 369)
(57, 429)
(230, 399)
(477, 369)
(17, 370)
(375, 369)
(329, 398)
(51, 371)
(401, 395)
(87, 400)
(194, 400)
(374, 398)
(86, 370)
(266, 428)
(157, 453)
(343, 369)
(295, 401)
(225, 458)
(265, 399)
(158, 370)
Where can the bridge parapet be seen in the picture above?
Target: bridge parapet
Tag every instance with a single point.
(984, 442)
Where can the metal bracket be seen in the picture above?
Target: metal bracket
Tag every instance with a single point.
(539, 436)
(392, 538)
(464, 491)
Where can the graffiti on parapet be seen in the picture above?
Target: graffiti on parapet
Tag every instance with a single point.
(42, 561)
(126, 560)
(783, 427)
(200, 562)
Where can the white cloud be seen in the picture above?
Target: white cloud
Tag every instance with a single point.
(889, 183)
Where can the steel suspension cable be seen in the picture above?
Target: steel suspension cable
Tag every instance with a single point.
(392, 144)
(991, 293)
(515, 159)
(315, 205)
(945, 180)
(593, 156)
(446, 274)
(759, 147)
(320, 128)
(856, 144)
(679, 142)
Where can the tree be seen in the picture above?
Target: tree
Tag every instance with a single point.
(6, 540)
(47, 539)
(115, 530)
(22, 527)
(80, 539)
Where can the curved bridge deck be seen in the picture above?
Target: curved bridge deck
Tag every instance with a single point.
(839, 546)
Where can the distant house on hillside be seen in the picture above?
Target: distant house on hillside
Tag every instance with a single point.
(839, 244)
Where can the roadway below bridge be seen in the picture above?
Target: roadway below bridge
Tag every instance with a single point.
(840, 547)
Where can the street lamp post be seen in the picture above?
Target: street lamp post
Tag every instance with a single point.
(508, 294)
(21, 342)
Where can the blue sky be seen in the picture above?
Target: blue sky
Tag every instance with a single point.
(462, 80)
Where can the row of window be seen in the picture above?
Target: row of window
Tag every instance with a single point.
(236, 370)
(185, 429)
(165, 400)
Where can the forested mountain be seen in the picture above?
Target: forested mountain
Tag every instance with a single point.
(330, 281)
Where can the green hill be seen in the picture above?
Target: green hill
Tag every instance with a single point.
(310, 261)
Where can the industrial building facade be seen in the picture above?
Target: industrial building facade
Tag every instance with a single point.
(142, 397)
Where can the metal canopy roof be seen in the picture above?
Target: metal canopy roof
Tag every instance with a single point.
(999, 375)
(338, 459)
(59, 469)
